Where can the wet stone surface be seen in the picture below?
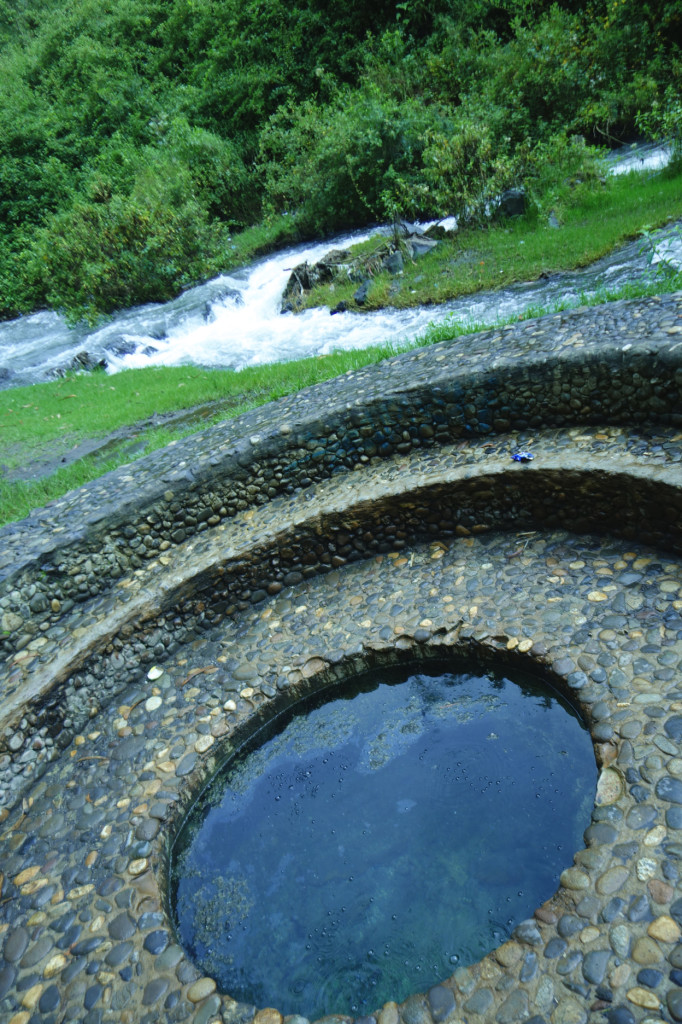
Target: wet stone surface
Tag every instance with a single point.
(565, 369)
(431, 552)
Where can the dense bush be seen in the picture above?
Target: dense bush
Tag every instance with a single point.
(111, 250)
(134, 135)
(467, 171)
(333, 164)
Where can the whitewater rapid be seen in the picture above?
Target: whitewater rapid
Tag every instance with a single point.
(235, 321)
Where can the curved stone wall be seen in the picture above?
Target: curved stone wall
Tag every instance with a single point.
(377, 517)
(611, 367)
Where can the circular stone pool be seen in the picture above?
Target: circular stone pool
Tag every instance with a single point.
(370, 838)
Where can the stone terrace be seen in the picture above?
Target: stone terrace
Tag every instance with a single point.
(373, 519)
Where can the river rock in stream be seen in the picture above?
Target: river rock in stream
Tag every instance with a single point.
(306, 276)
(389, 254)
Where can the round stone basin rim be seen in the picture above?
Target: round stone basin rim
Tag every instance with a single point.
(319, 693)
(593, 488)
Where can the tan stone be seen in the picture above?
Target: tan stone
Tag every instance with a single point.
(78, 891)
(589, 934)
(146, 885)
(30, 998)
(619, 975)
(606, 753)
(20, 1018)
(268, 1016)
(203, 744)
(660, 891)
(388, 1014)
(490, 971)
(11, 622)
(646, 868)
(664, 929)
(645, 951)
(574, 878)
(30, 887)
(655, 835)
(55, 965)
(609, 787)
(201, 989)
(568, 1011)
(508, 954)
(611, 881)
(312, 667)
(643, 997)
(26, 875)
(138, 866)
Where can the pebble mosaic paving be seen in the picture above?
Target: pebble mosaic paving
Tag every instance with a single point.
(449, 551)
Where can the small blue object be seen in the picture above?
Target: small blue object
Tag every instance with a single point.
(522, 457)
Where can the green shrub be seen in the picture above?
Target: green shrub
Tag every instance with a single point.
(467, 171)
(331, 164)
(213, 167)
(224, 185)
(114, 251)
(664, 120)
(536, 79)
(556, 170)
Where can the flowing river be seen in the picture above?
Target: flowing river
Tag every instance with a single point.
(235, 321)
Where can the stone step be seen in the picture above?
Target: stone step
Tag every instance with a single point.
(619, 364)
(608, 479)
(410, 536)
(85, 858)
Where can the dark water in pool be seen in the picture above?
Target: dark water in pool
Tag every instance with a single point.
(379, 840)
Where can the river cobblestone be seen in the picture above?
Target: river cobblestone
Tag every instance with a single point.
(136, 667)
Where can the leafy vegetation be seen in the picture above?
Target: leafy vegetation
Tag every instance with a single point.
(140, 140)
(53, 418)
(594, 221)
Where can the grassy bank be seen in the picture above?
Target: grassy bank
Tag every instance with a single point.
(596, 221)
(45, 429)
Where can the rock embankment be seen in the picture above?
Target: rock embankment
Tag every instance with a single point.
(342, 265)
